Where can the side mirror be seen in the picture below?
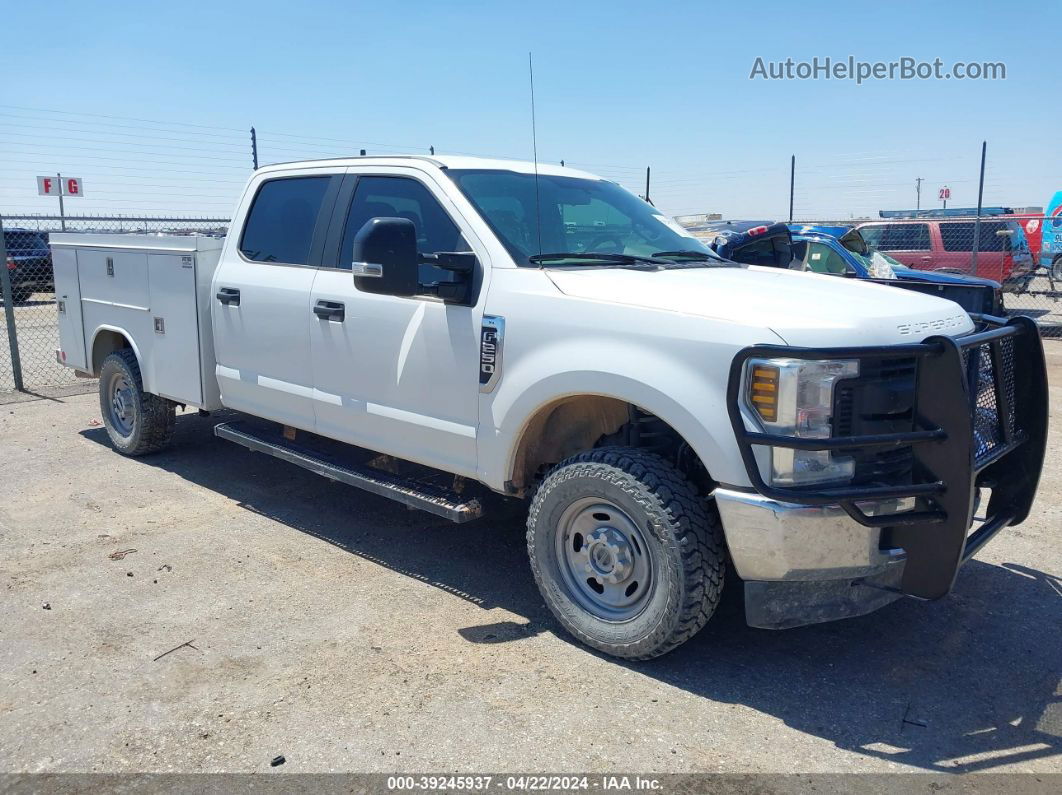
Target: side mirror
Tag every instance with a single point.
(385, 257)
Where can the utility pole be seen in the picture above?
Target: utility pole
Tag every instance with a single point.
(62, 215)
(977, 221)
(7, 300)
(918, 193)
(792, 183)
(254, 149)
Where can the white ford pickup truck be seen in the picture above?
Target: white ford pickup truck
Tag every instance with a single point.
(431, 329)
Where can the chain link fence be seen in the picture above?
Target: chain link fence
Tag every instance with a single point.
(30, 323)
(1023, 253)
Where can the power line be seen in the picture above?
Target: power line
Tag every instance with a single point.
(106, 128)
(111, 149)
(122, 118)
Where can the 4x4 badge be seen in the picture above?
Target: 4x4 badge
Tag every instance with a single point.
(491, 337)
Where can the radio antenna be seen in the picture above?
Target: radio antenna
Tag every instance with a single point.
(534, 150)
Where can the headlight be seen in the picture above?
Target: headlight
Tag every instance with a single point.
(794, 397)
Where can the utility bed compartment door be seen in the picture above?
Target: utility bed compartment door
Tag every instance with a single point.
(68, 301)
(114, 278)
(174, 361)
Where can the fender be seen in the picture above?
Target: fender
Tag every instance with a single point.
(132, 344)
(675, 386)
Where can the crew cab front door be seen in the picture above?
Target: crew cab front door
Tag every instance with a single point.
(261, 298)
(397, 375)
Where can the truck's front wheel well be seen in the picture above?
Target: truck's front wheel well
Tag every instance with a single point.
(106, 343)
(575, 424)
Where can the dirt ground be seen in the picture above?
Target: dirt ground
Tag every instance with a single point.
(208, 609)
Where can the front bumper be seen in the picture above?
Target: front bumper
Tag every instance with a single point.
(804, 564)
(772, 540)
(979, 421)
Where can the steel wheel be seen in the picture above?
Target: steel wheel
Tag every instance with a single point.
(121, 404)
(604, 560)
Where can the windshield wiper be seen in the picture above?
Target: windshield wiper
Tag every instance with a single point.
(689, 254)
(590, 256)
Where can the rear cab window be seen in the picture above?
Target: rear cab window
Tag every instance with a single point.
(280, 224)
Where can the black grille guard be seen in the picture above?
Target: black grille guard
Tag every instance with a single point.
(961, 384)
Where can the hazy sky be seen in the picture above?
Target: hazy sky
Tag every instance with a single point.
(150, 105)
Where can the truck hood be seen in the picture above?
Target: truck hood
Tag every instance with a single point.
(805, 309)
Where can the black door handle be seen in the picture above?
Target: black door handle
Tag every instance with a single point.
(330, 310)
(229, 296)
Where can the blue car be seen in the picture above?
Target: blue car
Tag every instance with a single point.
(841, 250)
(29, 263)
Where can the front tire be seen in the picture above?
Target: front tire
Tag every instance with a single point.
(137, 422)
(1056, 269)
(628, 556)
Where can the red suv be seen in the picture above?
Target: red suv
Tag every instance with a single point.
(944, 245)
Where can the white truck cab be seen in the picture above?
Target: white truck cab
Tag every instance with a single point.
(423, 327)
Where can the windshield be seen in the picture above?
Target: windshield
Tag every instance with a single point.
(579, 216)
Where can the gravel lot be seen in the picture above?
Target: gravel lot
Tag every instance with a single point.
(349, 634)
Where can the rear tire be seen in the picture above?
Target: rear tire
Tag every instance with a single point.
(20, 295)
(137, 422)
(628, 556)
(1056, 269)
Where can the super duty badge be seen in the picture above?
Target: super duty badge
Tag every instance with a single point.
(491, 337)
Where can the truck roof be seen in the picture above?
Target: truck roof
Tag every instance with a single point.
(440, 161)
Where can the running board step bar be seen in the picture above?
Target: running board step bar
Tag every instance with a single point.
(416, 494)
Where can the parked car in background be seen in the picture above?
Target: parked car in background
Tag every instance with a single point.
(1051, 237)
(930, 244)
(29, 263)
(749, 242)
(841, 250)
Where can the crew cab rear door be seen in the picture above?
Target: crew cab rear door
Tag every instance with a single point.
(261, 296)
(399, 375)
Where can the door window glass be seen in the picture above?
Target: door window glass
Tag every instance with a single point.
(280, 225)
(958, 236)
(774, 252)
(402, 197)
(823, 259)
(904, 237)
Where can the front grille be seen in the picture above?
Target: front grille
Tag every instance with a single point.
(990, 429)
(880, 400)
